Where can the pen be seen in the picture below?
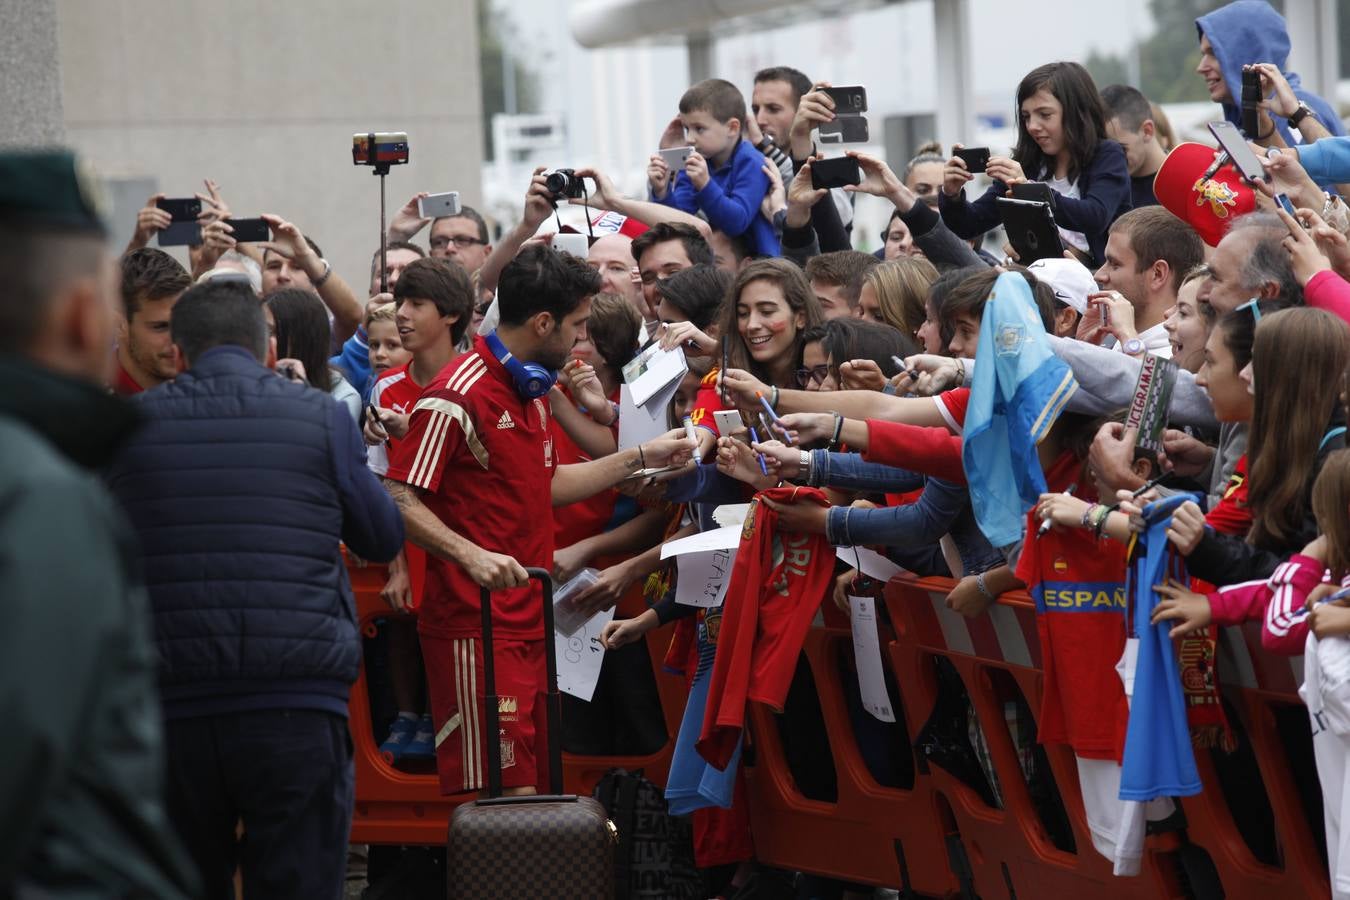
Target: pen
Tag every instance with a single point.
(1047, 521)
(765, 403)
(1148, 485)
(693, 437)
(900, 364)
(754, 436)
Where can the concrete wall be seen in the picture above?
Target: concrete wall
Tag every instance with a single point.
(264, 98)
(30, 79)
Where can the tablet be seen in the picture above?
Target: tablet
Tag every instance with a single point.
(1031, 229)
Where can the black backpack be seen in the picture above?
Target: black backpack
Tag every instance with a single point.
(655, 856)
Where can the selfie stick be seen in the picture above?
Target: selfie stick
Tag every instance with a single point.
(381, 169)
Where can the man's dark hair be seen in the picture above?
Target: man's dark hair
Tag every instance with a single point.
(393, 245)
(741, 249)
(468, 212)
(970, 295)
(540, 279)
(717, 97)
(1155, 234)
(839, 267)
(800, 84)
(150, 274)
(695, 247)
(445, 284)
(217, 314)
(1127, 105)
(303, 332)
(698, 292)
(35, 267)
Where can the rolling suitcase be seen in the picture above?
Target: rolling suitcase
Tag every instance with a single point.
(551, 845)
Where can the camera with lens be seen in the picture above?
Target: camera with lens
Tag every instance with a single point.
(564, 183)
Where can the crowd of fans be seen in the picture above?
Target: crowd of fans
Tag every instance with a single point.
(886, 401)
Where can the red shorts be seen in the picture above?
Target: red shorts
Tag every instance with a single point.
(456, 683)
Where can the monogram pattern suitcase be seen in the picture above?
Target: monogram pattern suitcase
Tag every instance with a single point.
(556, 846)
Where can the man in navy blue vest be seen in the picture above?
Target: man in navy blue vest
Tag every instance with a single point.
(242, 485)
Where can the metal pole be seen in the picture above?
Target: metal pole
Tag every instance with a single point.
(384, 240)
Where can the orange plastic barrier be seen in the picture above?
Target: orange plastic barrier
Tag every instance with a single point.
(941, 832)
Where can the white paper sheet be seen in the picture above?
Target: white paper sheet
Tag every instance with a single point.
(653, 369)
(726, 538)
(731, 514)
(580, 656)
(874, 565)
(638, 424)
(703, 577)
(867, 657)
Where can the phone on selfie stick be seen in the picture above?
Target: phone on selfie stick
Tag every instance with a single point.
(380, 150)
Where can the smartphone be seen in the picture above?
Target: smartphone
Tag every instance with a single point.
(1037, 191)
(436, 206)
(835, 172)
(850, 100)
(1235, 145)
(1104, 308)
(181, 209)
(382, 148)
(675, 157)
(574, 244)
(728, 421)
(181, 234)
(249, 231)
(1286, 205)
(845, 130)
(1251, 102)
(975, 158)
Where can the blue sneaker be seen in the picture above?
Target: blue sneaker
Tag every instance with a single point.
(400, 736)
(423, 743)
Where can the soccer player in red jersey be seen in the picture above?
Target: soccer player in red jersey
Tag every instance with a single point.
(472, 477)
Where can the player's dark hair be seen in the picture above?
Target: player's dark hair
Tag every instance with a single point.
(150, 274)
(540, 279)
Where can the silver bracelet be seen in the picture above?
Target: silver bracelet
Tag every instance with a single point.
(984, 589)
(805, 473)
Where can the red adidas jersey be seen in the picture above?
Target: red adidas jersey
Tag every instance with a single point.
(395, 390)
(484, 457)
(1078, 583)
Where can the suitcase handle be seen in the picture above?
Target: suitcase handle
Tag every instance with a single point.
(552, 699)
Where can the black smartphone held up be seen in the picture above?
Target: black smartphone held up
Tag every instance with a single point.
(836, 172)
(1232, 142)
(975, 158)
(845, 130)
(249, 231)
(1031, 229)
(1251, 102)
(184, 230)
(380, 148)
(849, 100)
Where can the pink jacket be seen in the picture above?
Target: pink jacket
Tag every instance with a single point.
(1279, 601)
(1329, 291)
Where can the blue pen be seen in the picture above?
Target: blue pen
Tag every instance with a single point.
(754, 436)
(772, 415)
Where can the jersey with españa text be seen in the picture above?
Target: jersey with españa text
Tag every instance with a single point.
(1078, 583)
(484, 458)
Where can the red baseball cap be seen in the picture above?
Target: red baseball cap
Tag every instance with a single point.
(1209, 205)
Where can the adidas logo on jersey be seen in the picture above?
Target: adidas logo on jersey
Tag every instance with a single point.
(505, 421)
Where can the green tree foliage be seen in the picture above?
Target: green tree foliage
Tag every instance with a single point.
(493, 31)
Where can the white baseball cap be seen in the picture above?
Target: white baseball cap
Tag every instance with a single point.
(1070, 280)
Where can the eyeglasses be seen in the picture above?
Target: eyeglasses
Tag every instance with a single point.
(813, 375)
(462, 241)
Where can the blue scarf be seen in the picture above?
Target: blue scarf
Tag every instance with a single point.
(1158, 759)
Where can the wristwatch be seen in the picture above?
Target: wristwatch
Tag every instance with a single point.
(805, 466)
(1133, 347)
(1303, 111)
(327, 271)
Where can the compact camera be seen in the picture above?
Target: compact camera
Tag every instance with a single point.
(565, 183)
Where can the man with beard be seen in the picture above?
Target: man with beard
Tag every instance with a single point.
(152, 282)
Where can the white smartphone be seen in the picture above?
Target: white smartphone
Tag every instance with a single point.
(675, 157)
(728, 421)
(435, 206)
(575, 244)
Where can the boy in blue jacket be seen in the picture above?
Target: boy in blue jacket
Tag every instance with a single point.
(723, 178)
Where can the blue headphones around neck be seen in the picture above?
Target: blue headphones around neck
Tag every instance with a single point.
(532, 380)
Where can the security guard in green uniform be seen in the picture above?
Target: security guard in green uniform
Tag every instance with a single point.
(81, 811)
